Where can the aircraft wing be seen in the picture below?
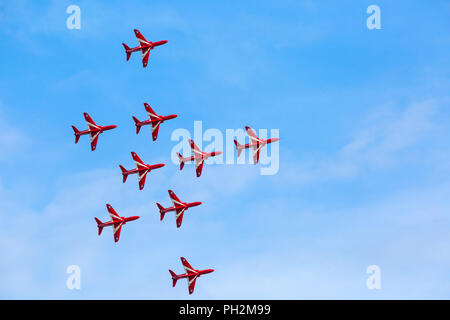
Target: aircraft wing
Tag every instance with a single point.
(252, 135)
(199, 166)
(141, 177)
(187, 267)
(117, 228)
(191, 283)
(151, 113)
(143, 42)
(155, 129)
(191, 279)
(112, 213)
(139, 163)
(94, 130)
(145, 55)
(194, 148)
(174, 198)
(256, 154)
(179, 212)
(94, 139)
(179, 216)
(140, 38)
(90, 123)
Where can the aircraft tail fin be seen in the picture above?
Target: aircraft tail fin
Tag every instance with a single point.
(239, 148)
(174, 278)
(138, 124)
(100, 229)
(180, 157)
(77, 134)
(127, 50)
(124, 173)
(161, 209)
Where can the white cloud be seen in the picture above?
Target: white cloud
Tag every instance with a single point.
(385, 140)
(306, 253)
(267, 248)
(376, 144)
(38, 243)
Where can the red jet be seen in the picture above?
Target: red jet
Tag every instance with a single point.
(141, 169)
(178, 206)
(144, 45)
(191, 274)
(155, 121)
(93, 130)
(116, 221)
(255, 142)
(198, 157)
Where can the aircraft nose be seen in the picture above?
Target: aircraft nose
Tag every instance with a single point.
(194, 204)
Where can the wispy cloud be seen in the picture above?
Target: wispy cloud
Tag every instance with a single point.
(385, 139)
(323, 253)
(374, 193)
(39, 242)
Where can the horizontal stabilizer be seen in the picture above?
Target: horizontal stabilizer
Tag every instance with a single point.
(161, 209)
(77, 134)
(127, 50)
(239, 148)
(138, 124)
(180, 157)
(174, 278)
(124, 173)
(100, 228)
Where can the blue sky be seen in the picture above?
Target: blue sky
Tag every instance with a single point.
(364, 122)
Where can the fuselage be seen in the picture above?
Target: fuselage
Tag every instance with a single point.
(100, 128)
(123, 220)
(147, 167)
(150, 45)
(262, 142)
(202, 155)
(159, 119)
(197, 273)
(183, 206)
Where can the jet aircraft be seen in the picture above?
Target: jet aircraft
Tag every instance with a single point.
(255, 143)
(191, 275)
(198, 156)
(116, 222)
(93, 130)
(154, 119)
(141, 169)
(178, 206)
(144, 46)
